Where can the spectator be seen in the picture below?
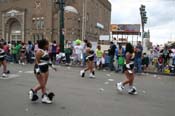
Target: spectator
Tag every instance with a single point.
(18, 48)
(151, 57)
(111, 55)
(106, 59)
(30, 50)
(165, 53)
(120, 56)
(78, 50)
(145, 62)
(68, 51)
(160, 64)
(14, 52)
(84, 52)
(53, 51)
(138, 57)
(173, 57)
(100, 60)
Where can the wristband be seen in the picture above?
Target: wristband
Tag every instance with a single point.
(50, 63)
(128, 66)
(37, 70)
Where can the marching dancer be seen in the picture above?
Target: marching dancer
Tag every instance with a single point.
(3, 61)
(90, 62)
(41, 70)
(129, 71)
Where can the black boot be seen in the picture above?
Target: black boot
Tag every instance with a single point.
(51, 95)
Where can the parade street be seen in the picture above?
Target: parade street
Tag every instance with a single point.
(76, 96)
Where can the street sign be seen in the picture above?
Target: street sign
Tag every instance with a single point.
(104, 37)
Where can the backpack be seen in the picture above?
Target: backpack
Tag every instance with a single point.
(121, 60)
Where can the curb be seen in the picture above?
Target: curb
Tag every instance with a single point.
(171, 74)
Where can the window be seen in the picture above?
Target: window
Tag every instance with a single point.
(87, 17)
(38, 22)
(42, 24)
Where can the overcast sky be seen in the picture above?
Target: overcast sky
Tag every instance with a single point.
(160, 13)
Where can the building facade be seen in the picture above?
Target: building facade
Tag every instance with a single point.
(23, 20)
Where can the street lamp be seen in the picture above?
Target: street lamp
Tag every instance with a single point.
(144, 19)
(61, 8)
(70, 9)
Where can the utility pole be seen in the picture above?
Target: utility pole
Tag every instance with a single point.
(84, 19)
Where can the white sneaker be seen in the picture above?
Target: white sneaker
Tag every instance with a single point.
(133, 91)
(30, 94)
(120, 87)
(82, 73)
(46, 100)
(91, 75)
(4, 75)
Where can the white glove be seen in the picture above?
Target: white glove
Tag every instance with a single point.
(128, 66)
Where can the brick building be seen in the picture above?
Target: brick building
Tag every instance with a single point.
(23, 20)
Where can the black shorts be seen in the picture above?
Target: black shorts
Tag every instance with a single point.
(2, 59)
(22, 51)
(43, 68)
(90, 58)
(125, 68)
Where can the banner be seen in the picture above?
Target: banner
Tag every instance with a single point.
(126, 28)
(114, 27)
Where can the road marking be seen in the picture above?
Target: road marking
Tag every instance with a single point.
(108, 75)
(20, 71)
(101, 89)
(68, 68)
(106, 83)
(111, 80)
(10, 76)
(28, 72)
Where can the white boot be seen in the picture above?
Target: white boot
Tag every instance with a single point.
(82, 73)
(91, 75)
(31, 94)
(120, 86)
(132, 90)
(4, 75)
(45, 99)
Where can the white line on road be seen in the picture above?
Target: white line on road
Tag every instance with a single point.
(28, 72)
(10, 76)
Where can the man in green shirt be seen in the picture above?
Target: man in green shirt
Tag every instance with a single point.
(18, 48)
(14, 52)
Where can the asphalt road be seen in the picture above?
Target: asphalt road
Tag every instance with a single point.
(76, 96)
